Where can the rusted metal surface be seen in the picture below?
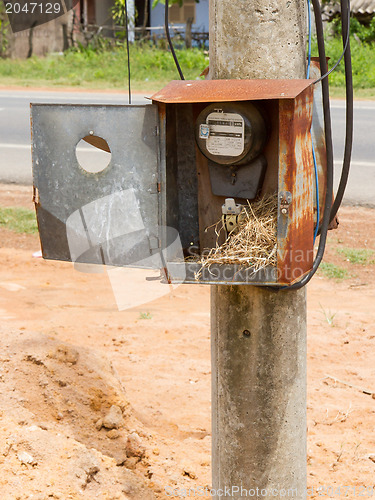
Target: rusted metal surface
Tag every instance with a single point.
(291, 165)
(97, 142)
(194, 91)
(296, 177)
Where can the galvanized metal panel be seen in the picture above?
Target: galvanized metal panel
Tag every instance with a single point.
(194, 91)
(109, 217)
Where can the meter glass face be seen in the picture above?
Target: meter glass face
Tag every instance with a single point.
(231, 133)
(226, 134)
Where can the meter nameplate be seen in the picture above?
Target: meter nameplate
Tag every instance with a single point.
(226, 134)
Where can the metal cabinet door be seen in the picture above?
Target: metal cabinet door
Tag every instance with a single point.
(109, 217)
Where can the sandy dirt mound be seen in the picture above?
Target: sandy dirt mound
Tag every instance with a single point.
(66, 428)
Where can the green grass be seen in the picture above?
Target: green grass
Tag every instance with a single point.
(151, 68)
(145, 315)
(332, 271)
(19, 220)
(328, 315)
(363, 62)
(357, 255)
(365, 94)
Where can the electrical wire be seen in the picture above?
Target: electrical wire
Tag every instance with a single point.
(317, 193)
(128, 49)
(312, 139)
(166, 22)
(345, 6)
(346, 44)
(310, 39)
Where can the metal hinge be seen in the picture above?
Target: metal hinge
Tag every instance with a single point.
(154, 242)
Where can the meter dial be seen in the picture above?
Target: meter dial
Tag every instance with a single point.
(231, 133)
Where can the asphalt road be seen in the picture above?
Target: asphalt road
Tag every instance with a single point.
(15, 155)
(15, 149)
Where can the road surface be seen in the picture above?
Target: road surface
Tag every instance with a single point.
(15, 155)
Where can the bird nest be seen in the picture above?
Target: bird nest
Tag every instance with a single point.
(253, 245)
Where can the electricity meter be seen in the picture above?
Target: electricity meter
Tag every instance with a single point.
(231, 133)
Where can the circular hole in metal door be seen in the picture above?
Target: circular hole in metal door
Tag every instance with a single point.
(93, 154)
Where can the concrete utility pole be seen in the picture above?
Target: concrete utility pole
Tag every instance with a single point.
(258, 336)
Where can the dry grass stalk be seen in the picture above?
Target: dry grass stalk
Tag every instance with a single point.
(254, 245)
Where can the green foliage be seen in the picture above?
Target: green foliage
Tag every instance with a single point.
(19, 220)
(357, 255)
(98, 68)
(118, 9)
(102, 64)
(118, 13)
(364, 33)
(97, 43)
(363, 61)
(332, 271)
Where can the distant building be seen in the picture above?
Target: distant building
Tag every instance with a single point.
(97, 12)
(363, 10)
(56, 35)
(94, 12)
(179, 16)
(41, 40)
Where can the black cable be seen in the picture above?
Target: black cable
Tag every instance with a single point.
(329, 150)
(128, 50)
(345, 6)
(345, 20)
(170, 41)
(345, 36)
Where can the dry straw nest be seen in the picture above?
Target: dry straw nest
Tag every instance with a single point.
(254, 244)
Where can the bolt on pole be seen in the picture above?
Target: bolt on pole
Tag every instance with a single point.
(258, 335)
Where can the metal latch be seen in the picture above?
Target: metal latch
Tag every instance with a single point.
(285, 201)
(231, 215)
